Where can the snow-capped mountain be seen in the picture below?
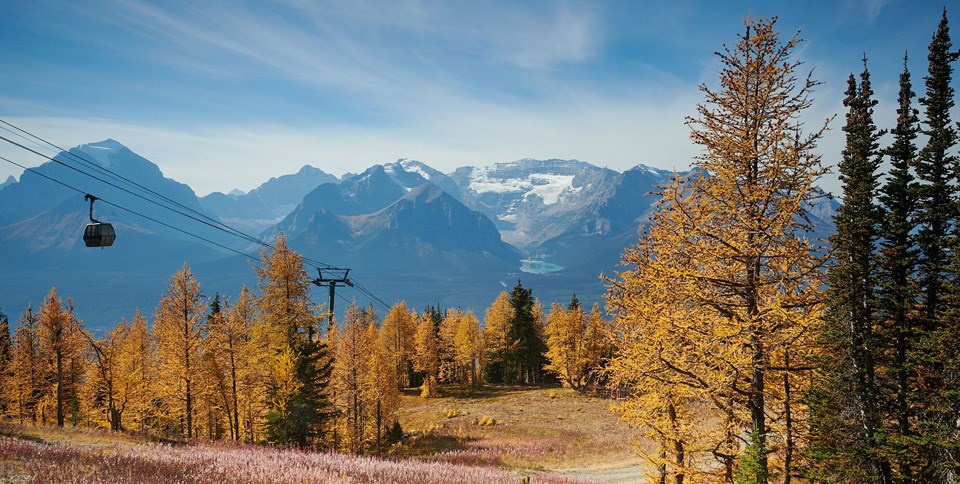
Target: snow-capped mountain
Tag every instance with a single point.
(34, 194)
(531, 200)
(407, 230)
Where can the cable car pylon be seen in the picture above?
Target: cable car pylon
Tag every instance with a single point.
(332, 283)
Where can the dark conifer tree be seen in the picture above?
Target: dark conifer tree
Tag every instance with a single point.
(435, 314)
(897, 263)
(528, 348)
(847, 418)
(4, 341)
(935, 168)
(936, 238)
(215, 308)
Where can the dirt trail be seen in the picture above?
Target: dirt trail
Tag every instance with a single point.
(615, 472)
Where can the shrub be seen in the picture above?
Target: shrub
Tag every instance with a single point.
(395, 434)
(485, 421)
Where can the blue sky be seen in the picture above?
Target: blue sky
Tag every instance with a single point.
(226, 94)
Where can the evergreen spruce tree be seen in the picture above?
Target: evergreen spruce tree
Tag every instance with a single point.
(526, 354)
(4, 340)
(897, 290)
(936, 168)
(847, 418)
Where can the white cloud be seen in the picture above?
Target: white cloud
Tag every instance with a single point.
(873, 9)
(221, 157)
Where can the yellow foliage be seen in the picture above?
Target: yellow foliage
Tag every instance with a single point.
(427, 356)
(285, 304)
(283, 378)
(485, 421)
(397, 336)
(725, 285)
(178, 328)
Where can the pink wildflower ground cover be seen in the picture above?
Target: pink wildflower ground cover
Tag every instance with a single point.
(32, 461)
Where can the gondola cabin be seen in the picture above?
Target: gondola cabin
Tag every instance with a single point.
(97, 233)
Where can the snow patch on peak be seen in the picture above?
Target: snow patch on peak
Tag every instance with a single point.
(101, 151)
(107, 144)
(482, 182)
(651, 170)
(413, 166)
(550, 188)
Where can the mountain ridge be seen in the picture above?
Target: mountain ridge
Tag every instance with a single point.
(407, 230)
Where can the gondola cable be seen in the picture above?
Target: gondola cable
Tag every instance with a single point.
(133, 212)
(219, 225)
(363, 290)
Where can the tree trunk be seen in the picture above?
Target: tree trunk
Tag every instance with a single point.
(788, 452)
(59, 389)
(757, 415)
(678, 450)
(235, 429)
(379, 427)
(189, 409)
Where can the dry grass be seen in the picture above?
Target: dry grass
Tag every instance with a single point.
(535, 428)
(495, 434)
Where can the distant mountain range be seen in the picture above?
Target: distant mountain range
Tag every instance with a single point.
(267, 204)
(406, 230)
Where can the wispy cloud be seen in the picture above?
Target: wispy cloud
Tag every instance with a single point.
(200, 87)
(381, 50)
(873, 9)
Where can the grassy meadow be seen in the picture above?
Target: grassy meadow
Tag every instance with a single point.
(494, 434)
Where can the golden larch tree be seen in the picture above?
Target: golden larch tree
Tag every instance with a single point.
(469, 346)
(380, 385)
(497, 321)
(397, 334)
(242, 359)
(450, 368)
(284, 302)
(351, 365)
(61, 345)
(729, 248)
(290, 319)
(426, 358)
(23, 382)
(228, 341)
(178, 328)
(134, 372)
(566, 348)
(597, 343)
(103, 386)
